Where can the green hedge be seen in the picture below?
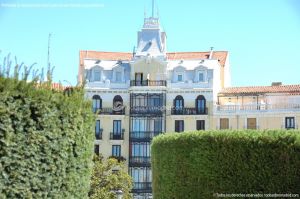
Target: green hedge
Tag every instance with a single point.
(204, 164)
(46, 141)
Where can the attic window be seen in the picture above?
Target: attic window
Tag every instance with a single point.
(150, 43)
(207, 56)
(98, 61)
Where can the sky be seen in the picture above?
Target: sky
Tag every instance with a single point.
(262, 36)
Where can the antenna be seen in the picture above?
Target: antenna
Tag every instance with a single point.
(48, 61)
(152, 8)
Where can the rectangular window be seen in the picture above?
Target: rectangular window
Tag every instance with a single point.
(98, 133)
(116, 150)
(200, 125)
(97, 75)
(140, 149)
(179, 125)
(117, 127)
(96, 149)
(118, 76)
(251, 123)
(224, 123)
(201, 77)
(179, 78)
(290, 122)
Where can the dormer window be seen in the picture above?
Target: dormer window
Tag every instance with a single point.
(97, 75)
(118, 76)
(179, 77)
(201, 76)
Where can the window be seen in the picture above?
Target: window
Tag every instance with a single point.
(201, 77)
(290, 122)
(140, 149)
(224, 123)
(179, 125)
(201, 104)
(118, 76)
(117, 127)
(200, 124)
(180, 78)
(97, 103)
(98, 133)
(97, 75)
(96, 149)
(178, 104)
(141, 177)
(116, 150)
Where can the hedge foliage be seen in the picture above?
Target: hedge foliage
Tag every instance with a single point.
(46, 141)
(201, 164)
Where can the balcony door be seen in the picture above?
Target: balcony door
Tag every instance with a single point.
(251, 123)
(200, 104)
(138, 79)
(117, 129)
(178, 104)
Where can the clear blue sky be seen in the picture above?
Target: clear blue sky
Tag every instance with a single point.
(262, 36)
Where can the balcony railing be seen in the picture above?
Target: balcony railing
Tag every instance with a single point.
(116, 136)
(148, 83)
(140, 161)
(146, 110)
(110, 111)
(142, 187)
(143, 135)
(258, 107)
(119, 158)
(98, 134)
(189, 111)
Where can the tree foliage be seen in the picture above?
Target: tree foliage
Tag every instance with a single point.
(46, 138)
(202, 164)
(109, 176)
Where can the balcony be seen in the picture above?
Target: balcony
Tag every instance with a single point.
(116, 136)
(258, 108)
(137, 136)
(119, 158)
(139, 161)
(152, 110)
(98, 134)
(111, 111)
(148, 83)
(142, 187)
(189, 111)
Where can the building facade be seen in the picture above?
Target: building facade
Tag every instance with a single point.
(150, 91)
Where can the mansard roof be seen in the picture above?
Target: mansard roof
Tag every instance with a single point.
(125, 56)
(290, 89)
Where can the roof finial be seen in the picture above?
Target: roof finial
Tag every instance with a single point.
(152, 8)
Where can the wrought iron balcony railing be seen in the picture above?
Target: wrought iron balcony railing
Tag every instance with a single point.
(140, 161)
(146, 110)
(148, 83)
(98, 134)
(116, 136)
(142, 187)
(189, 111)
(143, 135)
(258, 107)
(119, 158)
(110, 111)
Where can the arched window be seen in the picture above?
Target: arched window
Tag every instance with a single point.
(118, 104)
(201, 104)
(178, 104)
(97, 103)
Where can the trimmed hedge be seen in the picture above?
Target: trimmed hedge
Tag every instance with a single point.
(46, 141)
(207, 163)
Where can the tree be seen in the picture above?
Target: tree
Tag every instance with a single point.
(107, 177)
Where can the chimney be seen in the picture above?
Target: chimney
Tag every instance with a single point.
(276, 83)
(211, 52)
